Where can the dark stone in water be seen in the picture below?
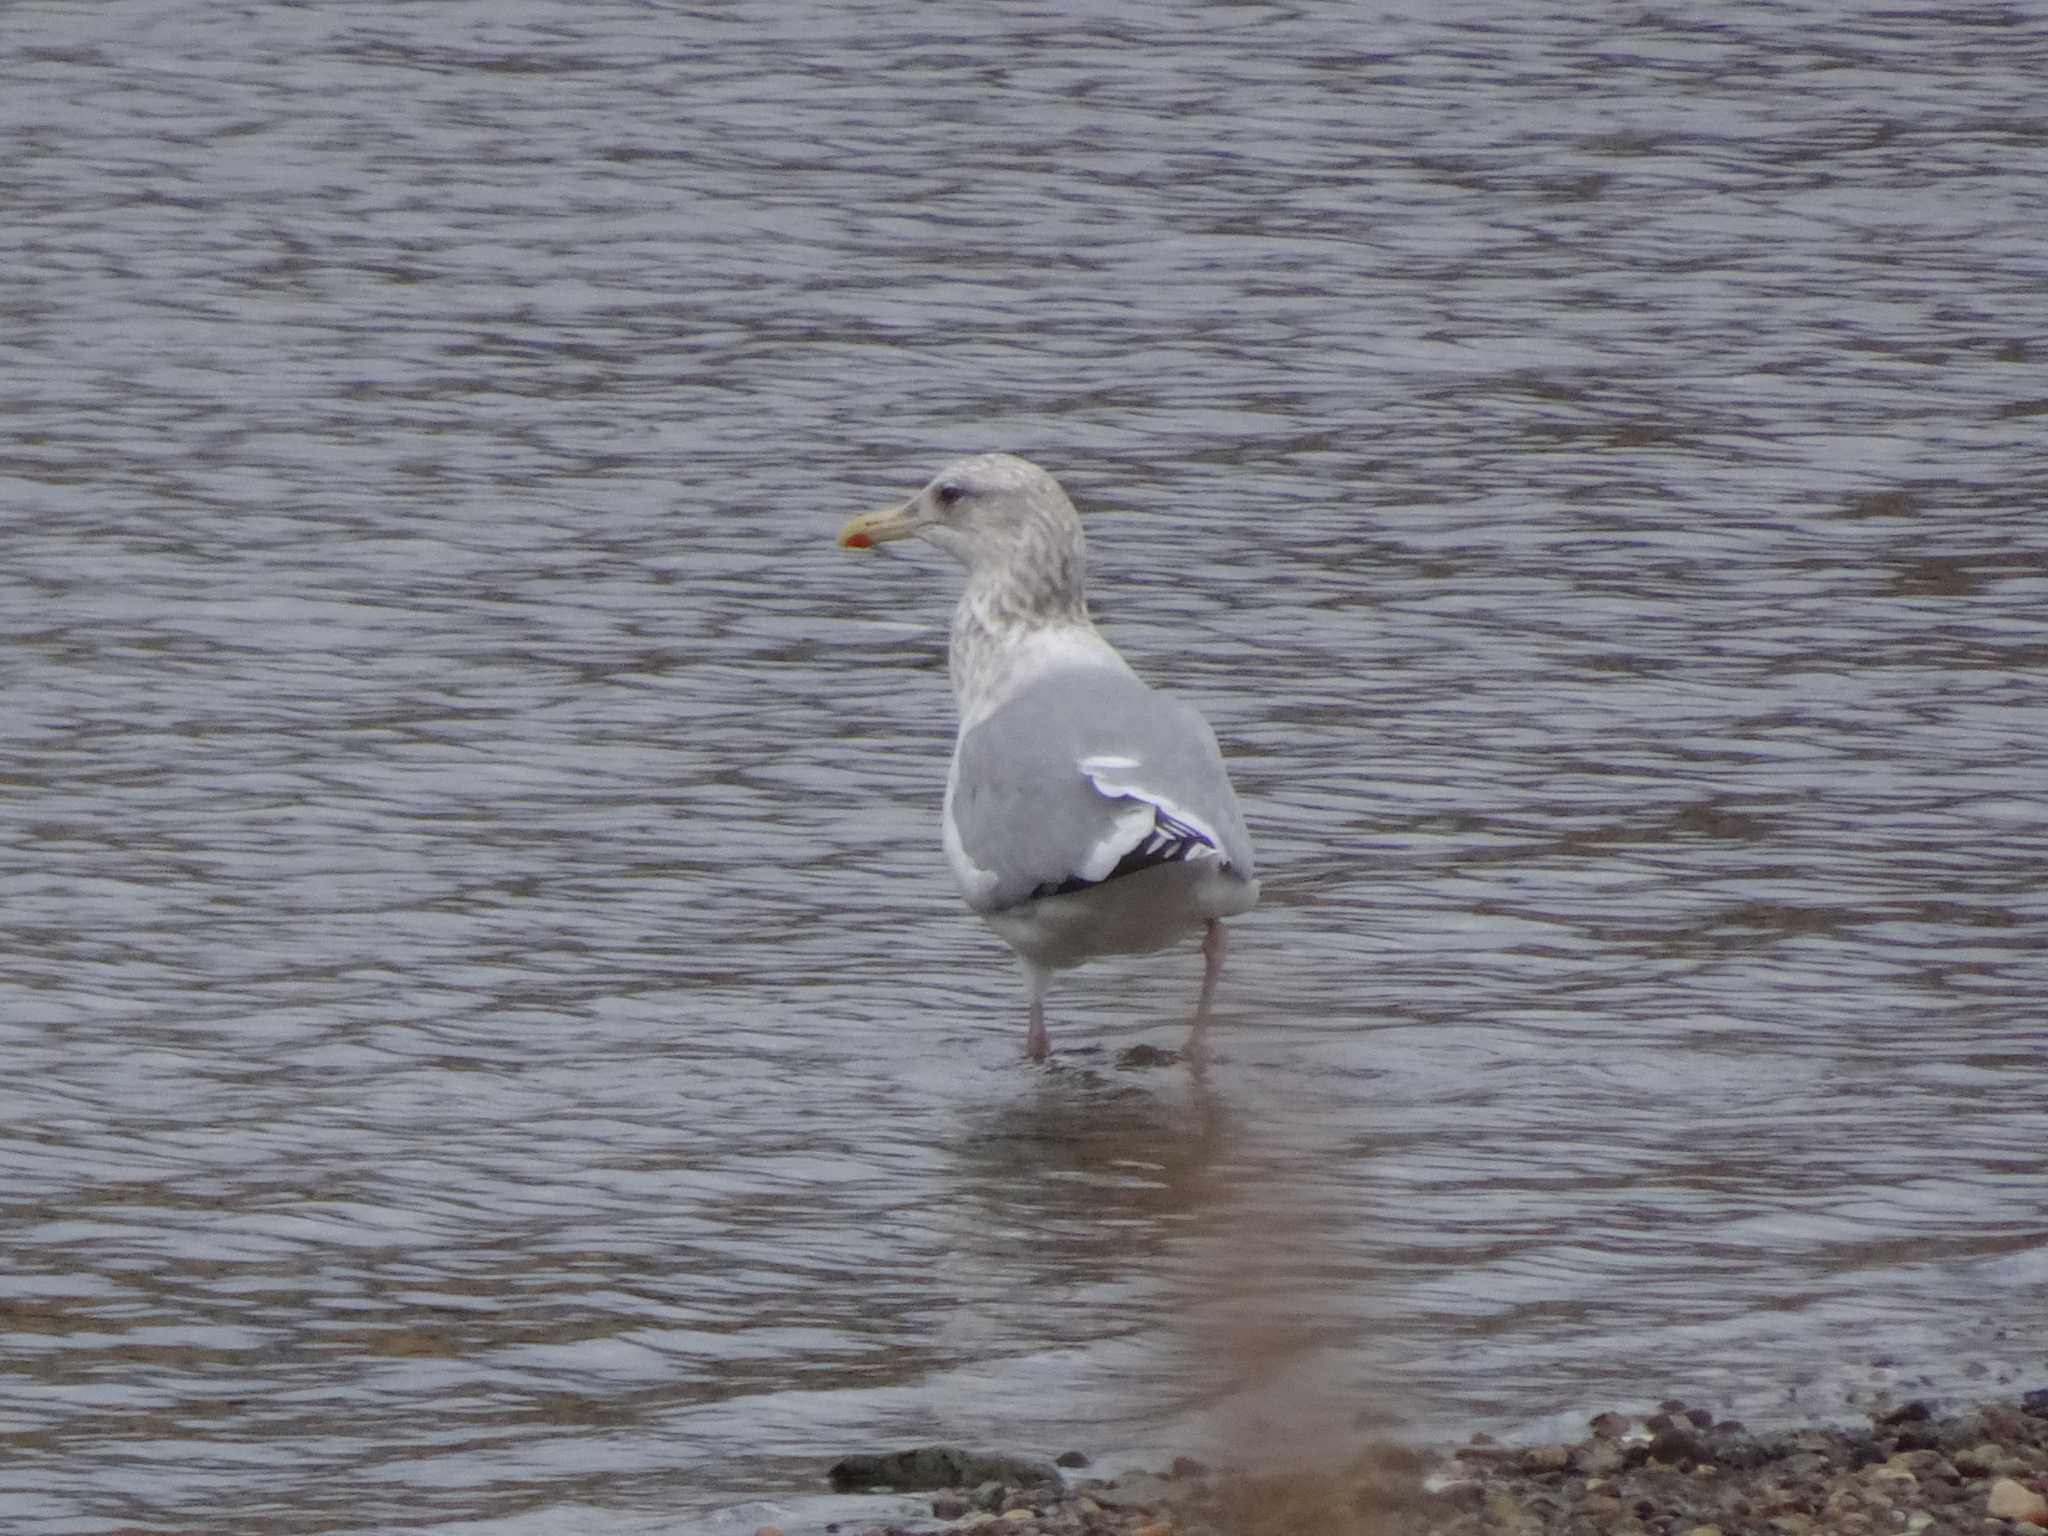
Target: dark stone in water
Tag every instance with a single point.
(1147, 1056)
(1915, 1412)
(1071, 1459)
(937, 1466)
(2036, 1402)
(1678, 1446)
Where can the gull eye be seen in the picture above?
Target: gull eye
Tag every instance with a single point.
(948, 494)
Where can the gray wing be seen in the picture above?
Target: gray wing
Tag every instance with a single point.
(1084, 776)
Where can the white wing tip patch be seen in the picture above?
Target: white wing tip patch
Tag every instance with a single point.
(1129, 830)
(1100, 770)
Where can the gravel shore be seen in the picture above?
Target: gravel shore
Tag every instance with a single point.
(1912, 1470)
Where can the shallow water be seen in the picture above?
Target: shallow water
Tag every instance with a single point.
(492, 1041)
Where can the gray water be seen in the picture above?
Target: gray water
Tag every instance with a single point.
(490, 1041)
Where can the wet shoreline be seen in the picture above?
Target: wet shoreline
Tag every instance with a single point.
(1916, 1468)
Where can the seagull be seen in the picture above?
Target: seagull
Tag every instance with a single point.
(1086, 812)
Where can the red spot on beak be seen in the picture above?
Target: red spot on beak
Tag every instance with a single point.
(858, 541)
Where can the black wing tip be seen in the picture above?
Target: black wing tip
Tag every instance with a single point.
(1171, 841)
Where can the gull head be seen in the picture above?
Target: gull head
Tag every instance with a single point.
(992, 511)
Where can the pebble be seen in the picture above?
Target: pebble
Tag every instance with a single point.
(1981, 1460)
(2010, 1500)
(1140, 1490)
(1600, 1457)
(1546, 1458)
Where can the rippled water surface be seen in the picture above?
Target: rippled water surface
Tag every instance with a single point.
(490, 1040)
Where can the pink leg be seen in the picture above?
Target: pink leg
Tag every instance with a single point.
(1212, 968)
(1037, 1044)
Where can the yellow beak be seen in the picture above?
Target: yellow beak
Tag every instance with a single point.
(872, 528)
